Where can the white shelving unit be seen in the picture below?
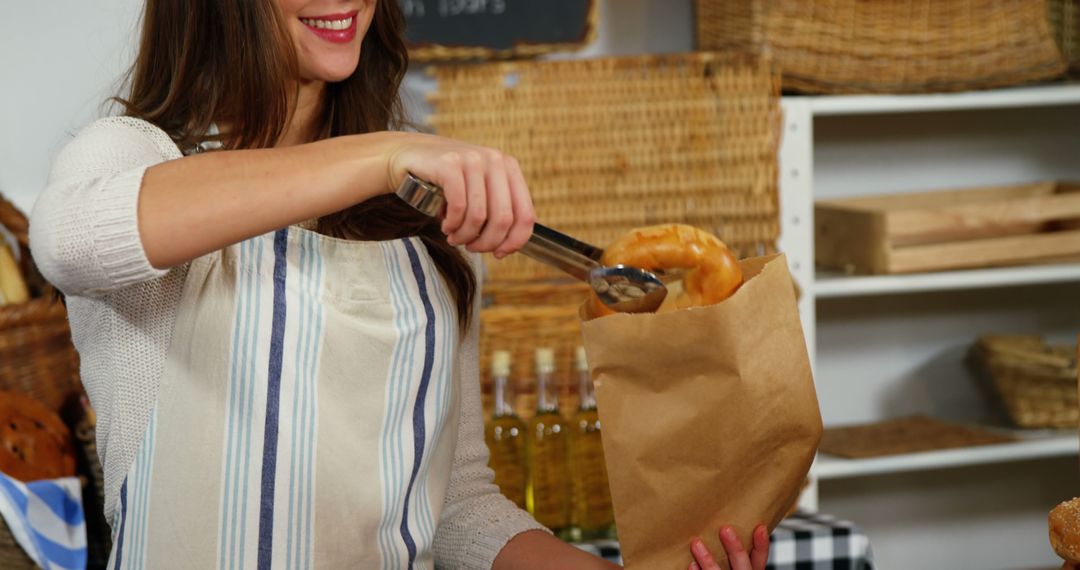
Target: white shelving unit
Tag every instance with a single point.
(832, 285)
(1039, 446)
(888, 346)
(1034, 96)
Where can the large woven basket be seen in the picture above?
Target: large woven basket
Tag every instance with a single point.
(1065, 20)
(36, 354)
(1037, 382)
(892, 46)
(608, 145)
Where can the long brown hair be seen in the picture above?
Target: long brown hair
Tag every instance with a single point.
(231, 62)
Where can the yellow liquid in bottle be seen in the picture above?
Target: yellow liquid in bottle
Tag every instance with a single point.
(593, 513)
(505, 436)
(548, 490)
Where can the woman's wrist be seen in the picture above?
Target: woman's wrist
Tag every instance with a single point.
(371, 157)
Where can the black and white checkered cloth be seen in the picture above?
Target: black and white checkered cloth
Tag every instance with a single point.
(814, 541)
(803, 541)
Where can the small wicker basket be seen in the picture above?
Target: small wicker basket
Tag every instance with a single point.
(889, 46)
(1037, 382)
(1065, 20)
(36, 354)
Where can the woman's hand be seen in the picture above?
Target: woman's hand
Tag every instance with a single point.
(738, 558)
(488, 208)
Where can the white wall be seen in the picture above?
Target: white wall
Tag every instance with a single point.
(59, 61)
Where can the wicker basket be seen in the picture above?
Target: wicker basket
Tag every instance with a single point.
(12, 556)
(1036, 382)
(608, 145)
(1065, 20)
(36, 354)
(545, 293)
(890, 46)
(521, 329)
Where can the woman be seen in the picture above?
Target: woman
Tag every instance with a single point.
(283, 356)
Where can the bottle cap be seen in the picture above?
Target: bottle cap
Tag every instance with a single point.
(500, 363)
(545, 361)
(581, 363)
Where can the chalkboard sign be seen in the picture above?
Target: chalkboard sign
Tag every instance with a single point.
(458, 29)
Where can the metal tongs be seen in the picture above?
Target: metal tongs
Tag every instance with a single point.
(623, 288)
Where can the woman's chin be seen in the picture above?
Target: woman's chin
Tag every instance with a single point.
(330, 75)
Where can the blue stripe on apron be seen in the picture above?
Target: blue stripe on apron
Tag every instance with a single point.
(240, 410)
(421, 396)
(234, 386)
(273, 403)
(312, 399)
(145, 458)
(123, 523)
(309, 335)
(396, 394)
(443, 378)
(250, 428)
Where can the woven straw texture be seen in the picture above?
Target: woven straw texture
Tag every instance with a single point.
(1036, 382)
(36, 354)
(891, 46)
(12, 556)
(904, 435)
(521, 329)
(608, 145)
(1065, 19)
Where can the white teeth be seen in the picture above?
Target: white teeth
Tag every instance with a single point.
(328, 24)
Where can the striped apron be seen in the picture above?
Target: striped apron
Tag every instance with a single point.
(307, 416)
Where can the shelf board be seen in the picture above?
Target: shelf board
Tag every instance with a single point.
(831, 285)
(1038, 446)
(1047, 95)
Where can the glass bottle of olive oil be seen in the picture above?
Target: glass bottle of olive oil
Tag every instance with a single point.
(593, 514)
(505, 433)
(548, 492)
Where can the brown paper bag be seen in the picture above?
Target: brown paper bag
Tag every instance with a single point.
(710, 417)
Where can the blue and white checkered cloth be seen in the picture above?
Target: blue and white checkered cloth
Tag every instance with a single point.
(46, 519)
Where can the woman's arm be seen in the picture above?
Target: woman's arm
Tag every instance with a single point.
(194, 205)
(534, 550)
(123, 204)
(220, 198)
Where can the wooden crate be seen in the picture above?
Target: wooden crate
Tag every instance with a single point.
(953, 229)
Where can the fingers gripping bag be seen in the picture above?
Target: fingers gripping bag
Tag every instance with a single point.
(709, 416)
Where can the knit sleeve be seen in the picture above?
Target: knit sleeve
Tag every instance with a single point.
(477, 520)
(84, 232)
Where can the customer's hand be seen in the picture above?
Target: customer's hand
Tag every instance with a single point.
(488, 207)
(738, 558)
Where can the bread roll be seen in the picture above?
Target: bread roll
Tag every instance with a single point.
(1065, 530)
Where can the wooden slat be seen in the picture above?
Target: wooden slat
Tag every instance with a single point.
(850, 240)
(971, 221)
(944, 198)
(984, 252)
